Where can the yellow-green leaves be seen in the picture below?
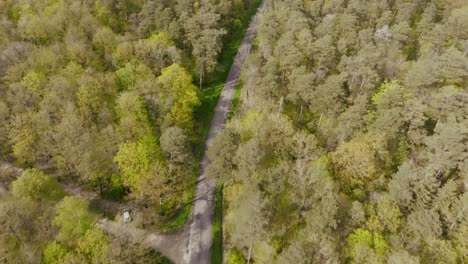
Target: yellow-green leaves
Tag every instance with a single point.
(73, 219)
(133, 117)
(355, 164)
(54, 253)
(367, 247)
(134, 161)
(34, 82)
(180, 96)
(94, 245)
(36, 185)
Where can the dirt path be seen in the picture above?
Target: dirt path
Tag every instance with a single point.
(192, 244)
(200, 237)
(171, 246)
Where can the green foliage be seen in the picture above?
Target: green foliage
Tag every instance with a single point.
(377, 87)
(54, 253)
(358, 194)
(380, 244)
(130, 74)
(374, 97)
(94, 245)
(79, 86)
(236, 257)
(73, 218)
(36, 185)
(354, 164)
(175, 143)
(133, 124)
(364, 244)
(360, 237)
(33, 82)
(134, 160)
(180, 96)
(218, 245)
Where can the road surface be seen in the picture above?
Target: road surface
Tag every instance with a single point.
(192, 244)
(200, 233)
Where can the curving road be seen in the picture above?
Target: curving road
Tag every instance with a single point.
(200, 233)
(192, 244)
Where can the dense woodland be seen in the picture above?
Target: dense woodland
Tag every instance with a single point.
(350, 144)
(101, 94)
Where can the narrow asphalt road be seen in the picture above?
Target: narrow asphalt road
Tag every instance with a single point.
(200, 233)
(192, 244)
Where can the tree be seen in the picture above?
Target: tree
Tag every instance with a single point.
(73, 218)
(422, 226)
(367, 247)
(220, 152)
(73, 138)
(96, 164)
(54, 253)
(34, 82)
(384, 217)
(236, 257)
(22, 138)
(179, 97)
(245, 221)
(402, 256)
(36, 185)
(352, 121)
(94, 245)
(133, 118)
(134, 161)
(157, 52)
(328, 98)
(4, 116)
(354, 164)
(131, 74)
(299, 83)
(142, 170)
(452, 67)
(204, 32)
(96, 95)
(390, 102)
(18, 222)
(175, 143)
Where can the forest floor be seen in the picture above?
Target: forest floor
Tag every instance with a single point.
(192, 244)
(8, 173)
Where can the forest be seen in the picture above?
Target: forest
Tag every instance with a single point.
(350, 141)
(101, 105)
(347, 141)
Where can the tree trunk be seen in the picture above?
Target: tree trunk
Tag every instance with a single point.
(101, 186)
(250, 245)
(320, 122)
(300, 115)
(16, 235)
(362, 83)
(202, 72)
(281, 102)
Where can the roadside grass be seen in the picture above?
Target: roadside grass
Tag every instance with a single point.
(210, 93)
(215, 81)
(157, 257)
(235, 100)
(217, 247)
(183, 215)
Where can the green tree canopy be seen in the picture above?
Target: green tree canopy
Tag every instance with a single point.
(36, 185)
(73, 218)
